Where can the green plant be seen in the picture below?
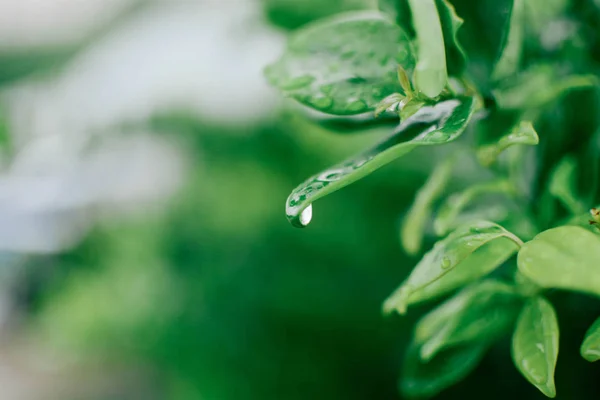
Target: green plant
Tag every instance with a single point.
(506, 239)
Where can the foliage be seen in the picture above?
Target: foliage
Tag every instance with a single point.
(503, 95)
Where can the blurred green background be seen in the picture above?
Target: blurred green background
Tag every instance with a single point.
(210, 293)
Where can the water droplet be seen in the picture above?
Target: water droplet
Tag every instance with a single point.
(297, 83)
(321, 102)
(446, 263)
(327, 89)
(306, 215)
(356, 106)
(438, 136)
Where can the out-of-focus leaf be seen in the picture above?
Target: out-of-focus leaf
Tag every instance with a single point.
(589, 176)
(535, 344)
(447, 217)
(562, 182)
(483, 261)
(413, 226)
(291, 14)
(445, 255)
(590, 348)
(343, 65)
(432, 125)
(537, 86)
(481, 311)
(539, 14)
(512, 45)
(430, 76)
(567, 257)
(522, 133)
(399, 11)
(426, 379)
(456, 60)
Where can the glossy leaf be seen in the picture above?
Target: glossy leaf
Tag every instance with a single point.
(483, 261)
(590, 348)
(343, 65)
(426, 379)
(512, 45)
(413, 226)
(430, 76)
(562, 182)
(481, 311)
(445, 255)
(432, 125)
(522, 133)
(565, 258)
(535, 344)
(447, 217)
(538, 86)
(456, 60)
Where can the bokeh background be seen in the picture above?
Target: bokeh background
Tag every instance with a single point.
(144, 250)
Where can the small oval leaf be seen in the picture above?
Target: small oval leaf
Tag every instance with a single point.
(425, 380)
(343, 65)
(590, 348)
(482, 311)
(567, 257)
(445, 255)
(430, 75)
(413, 226)
(432, 125)
(535, 344)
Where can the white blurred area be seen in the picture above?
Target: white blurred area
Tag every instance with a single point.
(81, 153)
(71, 163)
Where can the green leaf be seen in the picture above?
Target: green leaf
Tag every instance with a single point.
(522, 133)
(432, 125)
(343, 65)
(484, 260)
(430, 76)
(425, 380)
(567, 257)
(447, 217)
(456, 59)
(482, 311)
(445, 255)
(538, 86)
(590, 348)
(413, 226)
(512, 45)
(535, 344)
(562, 182)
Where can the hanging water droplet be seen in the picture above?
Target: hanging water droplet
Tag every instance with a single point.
(356, 106)
(322, 102)
(446, 262)
(306, 215)
(297, 83)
